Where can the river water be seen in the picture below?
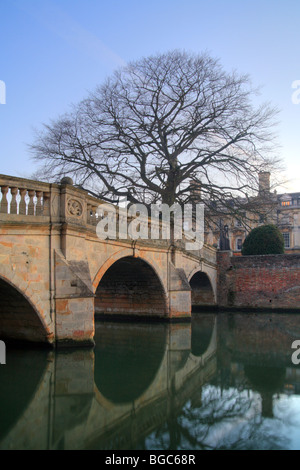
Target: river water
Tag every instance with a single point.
(223, 381)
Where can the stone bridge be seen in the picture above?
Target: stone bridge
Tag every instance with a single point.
(56, 274)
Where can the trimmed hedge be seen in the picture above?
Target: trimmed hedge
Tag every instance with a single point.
(264, 240)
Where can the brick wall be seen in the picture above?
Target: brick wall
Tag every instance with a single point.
(130, 286)
(269, 281)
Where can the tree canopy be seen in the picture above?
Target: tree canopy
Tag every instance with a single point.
(159, 129)
(264, 240)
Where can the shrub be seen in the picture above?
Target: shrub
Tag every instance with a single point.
(264, 240)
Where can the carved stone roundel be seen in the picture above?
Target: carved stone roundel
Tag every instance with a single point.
(74, 207)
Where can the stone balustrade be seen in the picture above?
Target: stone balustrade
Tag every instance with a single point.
(66, 204)
(151, 229)
(24, 197)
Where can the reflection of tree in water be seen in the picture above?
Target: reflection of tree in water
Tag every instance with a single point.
(226, 419)
(190, 429)
(267, 381)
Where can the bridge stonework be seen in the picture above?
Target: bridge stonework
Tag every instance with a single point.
(55, 273)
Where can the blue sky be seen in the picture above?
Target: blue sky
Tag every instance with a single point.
(54, 51)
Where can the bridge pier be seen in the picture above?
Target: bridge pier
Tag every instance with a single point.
(74, 303)
(179, 294)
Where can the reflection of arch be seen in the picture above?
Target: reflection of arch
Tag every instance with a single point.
(27, 370)
(19, 318)
(202, 291)
(127, 359)
(131, 286)
(202, 331)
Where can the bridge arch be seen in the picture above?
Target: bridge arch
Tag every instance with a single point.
(121, 253)
(202, 289)
(130, 286)
(20, 318)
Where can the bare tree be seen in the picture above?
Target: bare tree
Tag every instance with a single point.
(158, 129)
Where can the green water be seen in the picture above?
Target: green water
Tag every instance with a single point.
(223, 381)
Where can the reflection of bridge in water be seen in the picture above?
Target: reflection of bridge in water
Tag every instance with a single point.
(139, 378)
(112, 398)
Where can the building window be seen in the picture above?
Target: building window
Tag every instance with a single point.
(286, 238)
(239, 243)
(286, 203)
(285, 220)
(239, 222)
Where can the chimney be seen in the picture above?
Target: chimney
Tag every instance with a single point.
(195, 190)
(264, 182)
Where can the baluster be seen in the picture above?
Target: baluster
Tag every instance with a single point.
(89, 208)
(39, 207)
(112, 223)
(4, 203)
(121, 225)
(117, 216)
(22, 205)
(141, 229)
(121, 228)
(31, 194)
(94, 218)
(13, 204)
(146, 230)
(155, 229)
(149, 229)
(46, 203)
